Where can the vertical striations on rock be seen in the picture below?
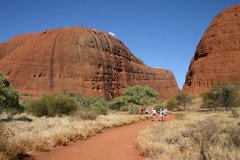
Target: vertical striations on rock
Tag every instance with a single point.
(217, 55)
(80, 60)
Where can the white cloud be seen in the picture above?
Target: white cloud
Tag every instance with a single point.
(112, 34)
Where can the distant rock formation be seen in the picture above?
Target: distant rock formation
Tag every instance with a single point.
(217, 56)
(79, 60)
(12, 44)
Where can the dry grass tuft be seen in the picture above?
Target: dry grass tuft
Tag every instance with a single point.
(9, 149)
(28, 134)
(84, 115)
(180, 115)
(199, 136)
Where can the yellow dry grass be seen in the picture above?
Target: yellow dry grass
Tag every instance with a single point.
(43, 133)
(197, 135)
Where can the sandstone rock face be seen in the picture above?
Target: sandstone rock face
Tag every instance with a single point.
(12, 44)
(79, 60)
(217, 56)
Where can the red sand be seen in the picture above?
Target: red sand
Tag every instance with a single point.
(112, 144)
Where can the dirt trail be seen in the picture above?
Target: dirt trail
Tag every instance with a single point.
(112, 144)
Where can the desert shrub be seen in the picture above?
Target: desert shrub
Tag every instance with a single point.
(102, 110)
(88, 102)
(159, 104)
(97, 103)
(82, 101)
(184, 99)
(8, 96)
(222, 94)
(24, 103)
(117, 103)
(52, 105)
(140, 95)
(136, 95)
(133, 109)
(171, 104)
(39, 107)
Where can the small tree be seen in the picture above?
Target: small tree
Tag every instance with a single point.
(159, 104)
(133, 109)
(137, 95)
(8, 96)
(117, 103)
(171, 104)
(184, 98)
(98, 104)
(140, 95)
(222, 94)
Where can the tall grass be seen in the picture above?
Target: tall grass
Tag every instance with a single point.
(9, 149)
(29, 134)
(198, 136)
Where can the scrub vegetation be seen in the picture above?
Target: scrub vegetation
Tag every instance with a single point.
(26, 134)
(211, 131)
(196, 135)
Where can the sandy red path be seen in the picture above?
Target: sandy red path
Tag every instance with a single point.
(112, 144)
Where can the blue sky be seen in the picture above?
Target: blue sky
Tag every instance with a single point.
(162, 33)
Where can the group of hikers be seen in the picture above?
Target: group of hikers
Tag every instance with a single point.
(159, 114)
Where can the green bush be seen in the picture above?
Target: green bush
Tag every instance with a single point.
(159, 105)
(137, 95)
(184, 99)
(24, 104)
(101, 110)
(52, 105)
(133, 109)
(117, 103)
(8, 96)
(97, 103)
(171, 104)
(222, 94)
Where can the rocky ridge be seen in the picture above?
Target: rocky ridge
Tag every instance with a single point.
(217, 55)
(79, 60)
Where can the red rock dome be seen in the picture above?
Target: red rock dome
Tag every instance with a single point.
(79, 60)
(217, 56)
